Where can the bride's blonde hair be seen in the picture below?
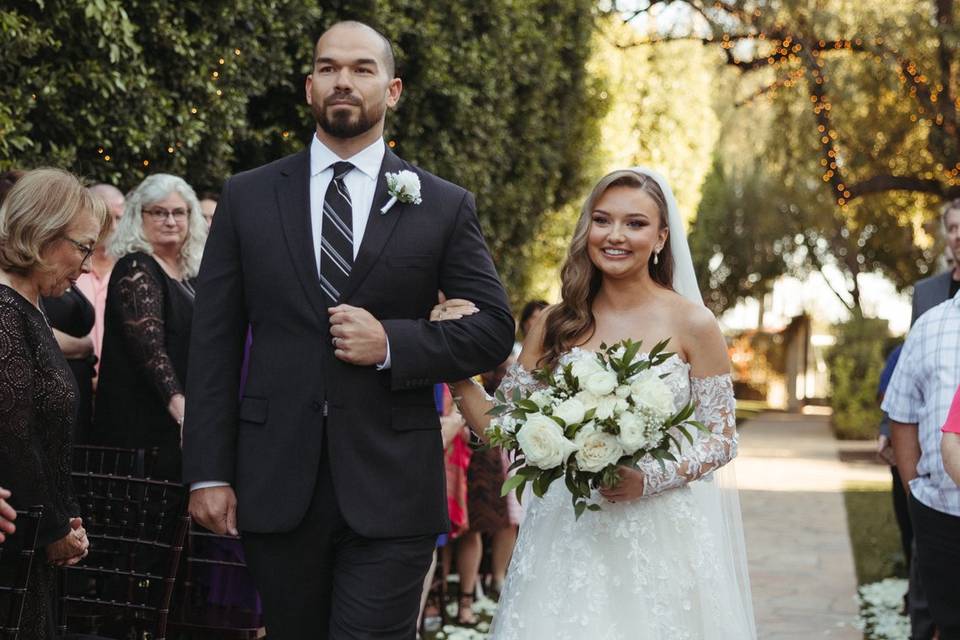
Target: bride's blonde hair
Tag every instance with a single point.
(572, 322)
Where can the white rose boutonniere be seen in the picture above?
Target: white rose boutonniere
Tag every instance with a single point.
(403, 186)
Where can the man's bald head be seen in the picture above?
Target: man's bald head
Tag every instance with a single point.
(112, 196)
(387, 59)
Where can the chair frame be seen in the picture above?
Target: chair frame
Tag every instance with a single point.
(28, 529)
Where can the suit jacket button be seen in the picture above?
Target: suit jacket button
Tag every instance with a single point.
(316, 406)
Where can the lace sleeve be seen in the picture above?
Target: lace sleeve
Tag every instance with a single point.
(518, 378)
(716, 408)
(141, 308)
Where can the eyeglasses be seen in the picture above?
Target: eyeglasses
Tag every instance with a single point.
(159, 214)
(82, 248)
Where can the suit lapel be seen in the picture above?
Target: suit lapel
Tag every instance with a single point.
(293, 198)
(379, 226)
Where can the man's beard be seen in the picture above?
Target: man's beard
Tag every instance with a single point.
(343, 124)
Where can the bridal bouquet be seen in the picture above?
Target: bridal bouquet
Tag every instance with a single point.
(597, 411)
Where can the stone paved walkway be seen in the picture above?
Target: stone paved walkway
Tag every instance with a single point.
(798, 546)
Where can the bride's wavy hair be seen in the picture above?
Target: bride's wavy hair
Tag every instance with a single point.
(572, 322)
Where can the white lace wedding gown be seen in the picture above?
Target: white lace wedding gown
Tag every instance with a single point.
(645, 569)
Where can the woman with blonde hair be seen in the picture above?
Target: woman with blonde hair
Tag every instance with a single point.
(159, 243)
(664, 557)
(49, 226)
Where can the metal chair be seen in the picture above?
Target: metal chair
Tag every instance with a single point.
(17, 556)
(136, 529)
(212, 557)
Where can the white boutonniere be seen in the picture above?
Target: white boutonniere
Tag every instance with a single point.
(403, 186)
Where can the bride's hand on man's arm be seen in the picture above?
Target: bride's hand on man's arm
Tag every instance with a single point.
(452, 309)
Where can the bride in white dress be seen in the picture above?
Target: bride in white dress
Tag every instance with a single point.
(664, 558)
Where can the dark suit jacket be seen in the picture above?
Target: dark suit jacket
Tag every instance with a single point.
(382, 428)
(930, 292)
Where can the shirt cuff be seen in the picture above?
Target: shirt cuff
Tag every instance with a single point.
(208, 485)
(386, 363)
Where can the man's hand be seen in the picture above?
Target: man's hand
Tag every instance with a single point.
(215, 508)
(358, 337)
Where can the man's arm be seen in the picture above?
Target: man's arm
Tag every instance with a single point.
(216, 353)
(950, 446)
(906, 450)
(424, 352)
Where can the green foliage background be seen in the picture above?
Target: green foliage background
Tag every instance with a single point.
(497, 96)
(856, 361)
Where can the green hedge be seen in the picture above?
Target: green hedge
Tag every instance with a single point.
(855, 362)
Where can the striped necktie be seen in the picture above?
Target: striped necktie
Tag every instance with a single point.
(336, 235)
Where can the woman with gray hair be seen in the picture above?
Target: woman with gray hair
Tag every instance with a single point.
(158, 243)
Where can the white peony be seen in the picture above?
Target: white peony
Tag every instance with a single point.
(652, 392)
(570, 411)
(588, 400)
(596, 449)
(623, 391)
(601, 383)
(543, 443)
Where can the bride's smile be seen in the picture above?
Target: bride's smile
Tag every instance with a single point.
(625, 232)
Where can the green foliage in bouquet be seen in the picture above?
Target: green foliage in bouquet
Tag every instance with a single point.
(600, 411)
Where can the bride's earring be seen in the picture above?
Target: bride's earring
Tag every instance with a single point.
(656, 257)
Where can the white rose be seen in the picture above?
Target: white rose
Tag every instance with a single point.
(601, 383)
(596, 449)
(606, 407)
(588, 400)
(570, 411)
(543, 443)
(585, 366)
(623, 391)
(654, 393)
(633, 433)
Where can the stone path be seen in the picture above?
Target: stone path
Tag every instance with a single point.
(798, 546)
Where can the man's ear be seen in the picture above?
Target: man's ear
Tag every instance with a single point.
(394, 89)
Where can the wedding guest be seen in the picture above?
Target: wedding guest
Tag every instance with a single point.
(929, 293)
(71, 318)
(490, 517)
(885, 454)
(917, 400)
(48, 227)
(529, 315)
(208, 205)
(7, 516)
(93, 285)
(149, 309)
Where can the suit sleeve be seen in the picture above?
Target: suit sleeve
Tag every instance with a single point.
(423, 352)
(914, 302)
(216, 354)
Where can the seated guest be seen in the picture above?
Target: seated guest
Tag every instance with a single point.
(208, 205)
(49, 225)
(950, 443)
(7, 516)
(158, 245)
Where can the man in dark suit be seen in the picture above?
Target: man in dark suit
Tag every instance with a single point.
(331, 462)
(927, 293)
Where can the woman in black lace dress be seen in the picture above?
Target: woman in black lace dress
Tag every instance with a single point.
(49, 225)
(159, 242)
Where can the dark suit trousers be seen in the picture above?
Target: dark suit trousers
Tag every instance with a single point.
(324, 580)
(936, 536)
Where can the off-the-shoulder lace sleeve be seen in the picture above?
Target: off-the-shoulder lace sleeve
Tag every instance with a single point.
(519, 378)
(141, 307)
(716, 408)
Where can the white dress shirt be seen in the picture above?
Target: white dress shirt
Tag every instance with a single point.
(361, 182)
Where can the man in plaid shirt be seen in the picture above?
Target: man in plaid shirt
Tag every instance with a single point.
(917, 401)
